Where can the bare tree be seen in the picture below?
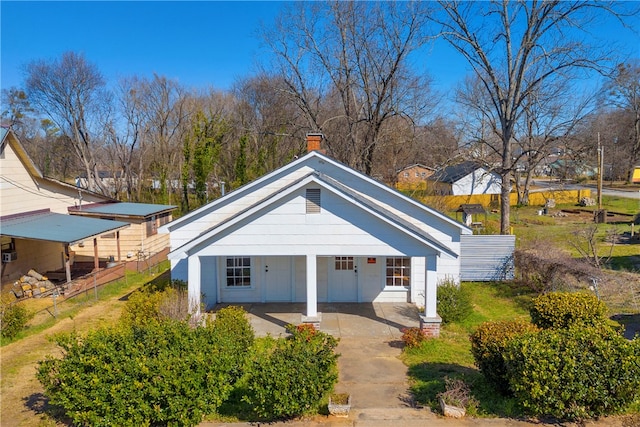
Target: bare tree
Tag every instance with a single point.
(164, 122)
(623, 90)
(517, 47)
(273, 122)
(549, 120)
(346, 65)
(71, 91)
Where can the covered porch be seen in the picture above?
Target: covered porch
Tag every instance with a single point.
(315, 284)
(341, 320)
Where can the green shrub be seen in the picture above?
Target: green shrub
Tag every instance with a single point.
(292, 377)
(413, 337)
(563, 309)
(13, 318)
(488, 343)
(574, 373)
(158, 373)
(454, 303)
(233, 330)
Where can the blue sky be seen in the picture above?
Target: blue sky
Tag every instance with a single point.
(201, 44)
(197, 43)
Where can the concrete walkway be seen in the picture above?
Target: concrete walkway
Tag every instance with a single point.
(370, 370)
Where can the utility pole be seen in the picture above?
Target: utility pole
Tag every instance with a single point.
(600, 165)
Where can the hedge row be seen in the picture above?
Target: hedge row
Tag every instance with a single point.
(155, 370)
(569, 363)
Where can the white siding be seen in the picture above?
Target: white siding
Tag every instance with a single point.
(341, 229)
(479, 264)
(439, 227)
(478, 182)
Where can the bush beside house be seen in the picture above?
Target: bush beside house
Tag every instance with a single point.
(575, 366)
(155, 369)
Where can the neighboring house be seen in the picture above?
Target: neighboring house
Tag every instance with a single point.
(467, 178)
(112, 182)
(571, 169)
(315, 231)
(38, 233)
(414, 174)
(140, 239)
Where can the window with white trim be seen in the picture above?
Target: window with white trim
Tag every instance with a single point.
(398, 272)
(344, 263)
(238, 272)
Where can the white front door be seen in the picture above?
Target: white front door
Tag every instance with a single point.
(277, 273)
(343, 280)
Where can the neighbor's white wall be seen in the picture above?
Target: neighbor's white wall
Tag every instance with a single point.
(478, 182)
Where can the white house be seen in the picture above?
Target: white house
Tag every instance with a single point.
(466, 178)
(315, 231)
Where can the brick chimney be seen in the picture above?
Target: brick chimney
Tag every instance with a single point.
(314, 142)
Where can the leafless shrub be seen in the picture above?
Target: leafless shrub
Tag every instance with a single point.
(544, 267)
(175, 305)
(585, 241)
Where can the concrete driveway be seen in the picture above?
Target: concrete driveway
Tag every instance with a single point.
(370, 370)
(370, 343)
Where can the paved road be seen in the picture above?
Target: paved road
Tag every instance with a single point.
(555, 185)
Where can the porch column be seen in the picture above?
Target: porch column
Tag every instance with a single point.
(67, 262)
(118, 244)
(96, 260)
(311, 315)
(430, 321)
(431, 294)
(193, 284)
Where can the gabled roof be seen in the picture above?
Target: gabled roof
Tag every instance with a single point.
(454, 173)
(5, 133)
(472, 208)
(8, 137)
(327, 183)
(415, 165)
(307, 160)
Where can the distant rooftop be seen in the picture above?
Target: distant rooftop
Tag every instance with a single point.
(125, 209)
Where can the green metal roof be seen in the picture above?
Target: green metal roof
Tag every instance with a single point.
(54, 227)
(125, 209)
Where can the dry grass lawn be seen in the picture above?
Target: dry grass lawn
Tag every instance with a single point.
(22, 395)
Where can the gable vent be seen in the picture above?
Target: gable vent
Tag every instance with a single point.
(313, 200)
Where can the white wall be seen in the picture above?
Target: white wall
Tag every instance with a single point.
(341, 229)
(478, 182)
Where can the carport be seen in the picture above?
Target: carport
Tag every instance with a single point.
(57, 230)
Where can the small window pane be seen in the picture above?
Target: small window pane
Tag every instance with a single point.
(344, 263)
(238, 271)
(398, 272)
